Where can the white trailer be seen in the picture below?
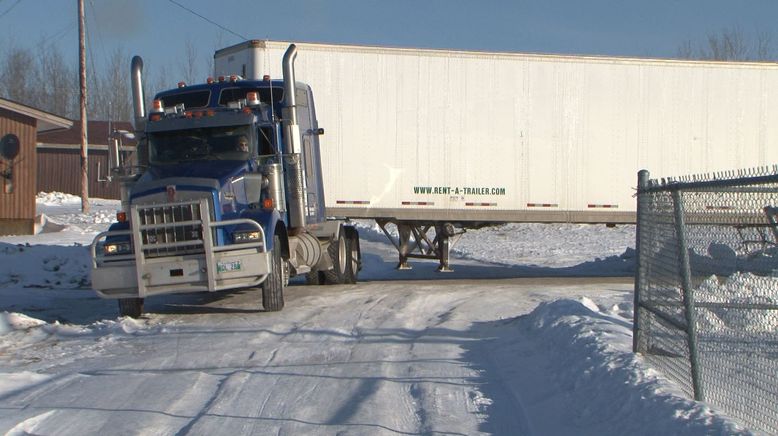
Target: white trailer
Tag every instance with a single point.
(446, 139)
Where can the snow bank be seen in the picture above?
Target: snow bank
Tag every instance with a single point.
(44, 266)
(18, 322)
(43, 224)
(57, 256)
(738, 289)
(578, 357)
(537, 244)
(56, 199)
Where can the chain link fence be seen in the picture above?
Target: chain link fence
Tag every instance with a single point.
(706, 288)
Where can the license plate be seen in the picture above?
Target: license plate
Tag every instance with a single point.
(223, 267)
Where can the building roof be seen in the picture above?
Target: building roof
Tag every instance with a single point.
(46, 121)
(97, 133)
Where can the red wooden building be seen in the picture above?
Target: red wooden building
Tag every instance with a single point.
(19, 175)
(59, 158)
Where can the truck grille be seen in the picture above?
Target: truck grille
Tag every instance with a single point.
(171, 229)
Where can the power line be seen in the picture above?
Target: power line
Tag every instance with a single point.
(99, 33)
(61, 32)
(14, 5)
(205, 18)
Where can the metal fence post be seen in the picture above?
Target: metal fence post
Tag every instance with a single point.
(640, 268)
(688, 294)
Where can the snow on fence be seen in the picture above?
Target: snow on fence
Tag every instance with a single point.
(706, 288)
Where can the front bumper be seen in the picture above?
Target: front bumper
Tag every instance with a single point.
(212, 268)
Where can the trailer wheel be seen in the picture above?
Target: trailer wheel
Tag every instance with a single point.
(273, 286)
(354, 255)
(132, 307)
(339, 253)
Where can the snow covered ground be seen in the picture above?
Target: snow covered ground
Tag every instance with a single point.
(531, 334)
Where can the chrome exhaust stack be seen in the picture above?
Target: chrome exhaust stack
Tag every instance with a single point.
(297, 197)
(129, 175)
(138, 101)
(290, 100)
(139, 109)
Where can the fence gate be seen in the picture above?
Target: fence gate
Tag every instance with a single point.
(706, 288)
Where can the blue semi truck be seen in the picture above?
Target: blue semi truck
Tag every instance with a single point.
(228, 194)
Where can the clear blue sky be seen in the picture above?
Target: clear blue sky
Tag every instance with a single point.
(158, 30)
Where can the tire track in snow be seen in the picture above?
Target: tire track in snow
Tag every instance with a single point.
(503, 403)
(223, 387)
(408, 320)
(376, 357)
(439, 404)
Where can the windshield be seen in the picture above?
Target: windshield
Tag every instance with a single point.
(212, 143)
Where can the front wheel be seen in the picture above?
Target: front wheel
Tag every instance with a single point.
(132, 307)
(273, 286)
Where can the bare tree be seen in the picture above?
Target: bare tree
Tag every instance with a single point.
(18, 68)
(189, 71)
(729, 44)
(109, 90)
(685, 50)
(161, 82)
(45, 81)
(764, 46)
(209, 61)
(42, 78)
(96, 105)
(56, 82)
(116, 84)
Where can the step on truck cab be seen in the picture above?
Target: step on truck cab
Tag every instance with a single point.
(229, 195)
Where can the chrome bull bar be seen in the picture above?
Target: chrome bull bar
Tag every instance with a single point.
(169, 264)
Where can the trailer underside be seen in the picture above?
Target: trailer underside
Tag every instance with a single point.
(431, 233)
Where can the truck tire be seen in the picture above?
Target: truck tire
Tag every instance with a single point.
(132, 307)
(354, 254)
(273, 286)
(315, 277)
(339, 254)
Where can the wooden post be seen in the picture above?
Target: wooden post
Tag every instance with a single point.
(82, 80)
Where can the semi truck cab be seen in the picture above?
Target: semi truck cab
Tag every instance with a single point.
(230, 196)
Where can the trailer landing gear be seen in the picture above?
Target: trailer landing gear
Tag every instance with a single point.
(422, 240)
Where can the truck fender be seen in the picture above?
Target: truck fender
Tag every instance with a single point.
(117, 226)
(123, 225)
(280, 230)
(272, 223)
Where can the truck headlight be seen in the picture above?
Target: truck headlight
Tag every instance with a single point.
(114, 248)
(249, 236)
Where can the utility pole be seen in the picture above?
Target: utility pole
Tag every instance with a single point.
(82, 79)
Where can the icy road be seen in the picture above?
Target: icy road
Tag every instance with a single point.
(407, 358)
(489, 350)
